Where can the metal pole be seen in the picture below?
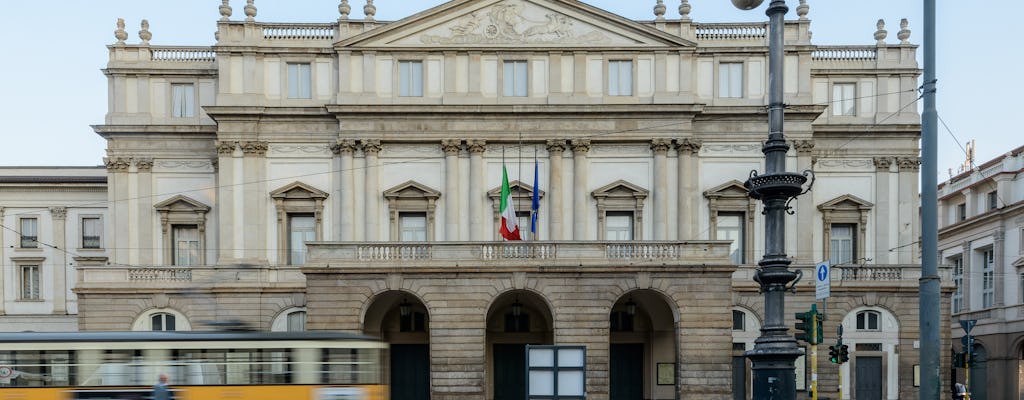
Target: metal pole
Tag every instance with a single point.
(929, 283)
(774, 353)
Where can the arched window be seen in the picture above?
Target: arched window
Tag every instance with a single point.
(868, 321)
(290, 320)
(161, 319)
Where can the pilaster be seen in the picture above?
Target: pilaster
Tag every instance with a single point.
(660, 188)
(805, 208)
(689, 197)
(556, 227)
(452, 218)
(144, 207)
(581, 166)
(255, 199)
(908, 217)
(477, 195)
(371, 150)
(60, 259)
(883, 212)
(229, 170)
(344, 201)
(117, 194)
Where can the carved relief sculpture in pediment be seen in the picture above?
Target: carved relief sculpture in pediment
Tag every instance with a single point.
(509, 22)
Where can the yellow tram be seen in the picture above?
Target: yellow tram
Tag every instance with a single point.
(200, 365)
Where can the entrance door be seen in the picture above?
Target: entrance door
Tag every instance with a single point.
(868, 376)
(410, 372)
(626, 371)
(739, 378)
(509, 371)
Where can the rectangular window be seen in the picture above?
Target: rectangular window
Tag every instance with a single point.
(186, 245)
(515, 78)
(183, 100)
(620, 78)
(844, 99)
(988, 279)
(958, 281)
(730, 227)
(410, 78)
(993, 200)
(29, 233)
(300, 83)
(961, 212)
(301, 229)
(29, 282)
(91, 229)
(412, 226)
(730, 79)
(618, 225)
(739, 321)
(842, 243)
(867, 320)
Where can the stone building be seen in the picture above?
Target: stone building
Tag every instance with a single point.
(981, 236)
(346, 176)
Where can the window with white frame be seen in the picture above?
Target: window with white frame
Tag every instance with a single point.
(161, 322)
(843, 243)
(988, 278)
(730, 79)
(961, 212)
(514, 78)
(620, 78)
(618, 225)
(410, 78)
(29, 230)
(183, 100)
(186, 245)
(412, 226)
(92, 229)
(30, 280)
(993, 200)
(868, 321)
(729, 226)
(844, 99)
(300, 84)
(958, 282)
(301, 229)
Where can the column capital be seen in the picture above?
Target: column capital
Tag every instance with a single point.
(803, 147)
(556, 146)
(255, 148)
(59, 213)
(117, 164)
(143, 164)
(661, 145)
(451, 147)
(882, 163)
(226, 148)
(476, 146)
(371, 146)
(688, 145)
(580, 145)
(909, 164)
(344, 147)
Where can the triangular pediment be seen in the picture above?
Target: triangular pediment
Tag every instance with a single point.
(298, 190)
(514, 23)
(846, 202)
(621, 188)
(181, 203)
(731, 189)
(411, 189)
(517, 188)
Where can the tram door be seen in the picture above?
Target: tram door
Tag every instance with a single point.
(410, 372)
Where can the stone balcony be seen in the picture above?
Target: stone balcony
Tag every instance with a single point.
(146, 279)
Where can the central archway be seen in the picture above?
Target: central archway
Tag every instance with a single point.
(402, 320)
(643, 362)
(515, 319)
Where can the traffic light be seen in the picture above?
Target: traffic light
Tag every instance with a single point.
(820, 333)
(959, 360)
(805, 327)
(833, 354)
(844, 354)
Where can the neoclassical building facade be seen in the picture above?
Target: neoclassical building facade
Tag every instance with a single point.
(346, 176)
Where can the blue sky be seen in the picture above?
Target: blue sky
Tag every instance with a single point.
(53, 89)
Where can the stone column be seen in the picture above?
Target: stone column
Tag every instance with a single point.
(344, 201)
(805, 208)
(452, 216)
(660, 188)
(255, 199)
(965, 258)
(688, 200)
(371, 150)
(119, 225)
(908, 211)
(883, 212)
(144, 219)
(1001, 270)
(556, 230)
(477, 194)
(229, 175)
(580, 214)
(60, 259)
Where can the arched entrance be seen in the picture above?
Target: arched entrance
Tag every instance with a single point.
(643, 348)
(516, 318)
(402, 320)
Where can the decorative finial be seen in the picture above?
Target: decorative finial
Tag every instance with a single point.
(904, 33)
(344, 9)
(250, 10)
(802, 9)
(225, 10)
(369, 10)
(684, 10)
(659, 10)
(120, 33)
(881, 33)
(144, 34)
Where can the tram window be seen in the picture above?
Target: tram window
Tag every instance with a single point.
(349, 366)
(39, 368)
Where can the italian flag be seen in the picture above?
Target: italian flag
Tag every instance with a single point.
(509, 223)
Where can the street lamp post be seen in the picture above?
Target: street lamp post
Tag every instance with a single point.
(775, 351)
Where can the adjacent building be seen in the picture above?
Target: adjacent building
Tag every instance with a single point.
(347, 176)
(981, 237)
